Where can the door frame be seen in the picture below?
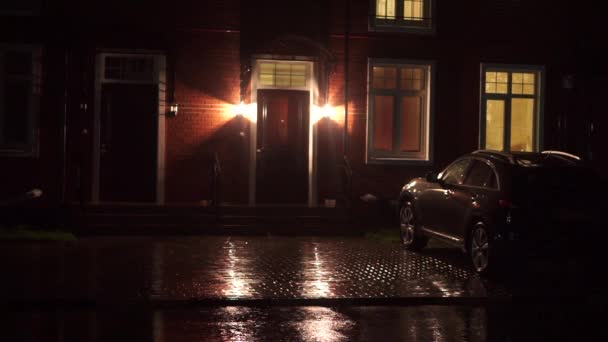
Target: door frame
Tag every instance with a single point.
(312, 88)
(160, 79)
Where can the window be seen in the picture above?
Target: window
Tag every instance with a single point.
(19, 100)
(139, 69)
(402, 15)
(481, 175)
(283, 74)
(455, 173)
(399, 111)
(511, 108)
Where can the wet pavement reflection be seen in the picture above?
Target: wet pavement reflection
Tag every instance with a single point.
(281, 288)
(546, 322)
(236, 268)
(426, 323)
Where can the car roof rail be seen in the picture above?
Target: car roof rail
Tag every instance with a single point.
(562, 154)
(497, 155)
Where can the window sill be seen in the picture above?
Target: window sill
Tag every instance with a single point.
(405, 27)
(398, 161)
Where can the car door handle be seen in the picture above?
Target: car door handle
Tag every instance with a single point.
(448, 193)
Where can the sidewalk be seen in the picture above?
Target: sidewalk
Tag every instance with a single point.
(212, 268)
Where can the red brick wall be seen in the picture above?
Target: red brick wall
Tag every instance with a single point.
(207, 79)
(151, 15)
(207, 66)
(457, 49)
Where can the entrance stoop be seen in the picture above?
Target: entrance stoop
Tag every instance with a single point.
(150, 219)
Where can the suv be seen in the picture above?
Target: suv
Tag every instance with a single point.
(492, 203)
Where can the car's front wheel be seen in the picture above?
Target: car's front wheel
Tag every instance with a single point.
(410, 239)
(480, 249)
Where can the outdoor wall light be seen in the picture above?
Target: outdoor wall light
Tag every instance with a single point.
(240, 109)
(173, 108)
(327, 111)
(248, 111)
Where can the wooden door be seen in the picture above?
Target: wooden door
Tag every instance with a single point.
(128, 150)
(282, 147)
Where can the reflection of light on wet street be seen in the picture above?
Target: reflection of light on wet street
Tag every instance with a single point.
(238, 268)
(435, 328)
(132, 279)
(316, 283)
(233, 327)
(158, 268)
(237, 283)
(444, 288)
(323, 324)
(309, 323)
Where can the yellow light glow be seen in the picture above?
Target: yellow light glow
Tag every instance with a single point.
(248, 111)
(326, 112)
(522, 124)
(495, 121)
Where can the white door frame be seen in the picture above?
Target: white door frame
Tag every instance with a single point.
(160, 78)
(312, 88)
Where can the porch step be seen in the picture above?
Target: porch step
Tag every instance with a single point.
(198, 219)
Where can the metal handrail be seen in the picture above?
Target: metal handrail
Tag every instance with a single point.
(347, 180)
(216, 177)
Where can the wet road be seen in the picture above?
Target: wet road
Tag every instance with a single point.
(235, 268)
(257, 324)
(277, 288)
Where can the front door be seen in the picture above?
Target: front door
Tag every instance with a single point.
(282, 147)
(128, 149)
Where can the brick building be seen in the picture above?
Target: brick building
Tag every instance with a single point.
(88, 92)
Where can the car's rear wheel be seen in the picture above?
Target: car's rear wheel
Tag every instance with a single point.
(410, 238)
(480, 249)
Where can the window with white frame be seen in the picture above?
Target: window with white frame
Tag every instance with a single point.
(283, 74)
(20, 77)
(399, 111)
(129, 69)
(511, 104)
(403, 15)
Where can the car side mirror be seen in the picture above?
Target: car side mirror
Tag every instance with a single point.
(433, 177)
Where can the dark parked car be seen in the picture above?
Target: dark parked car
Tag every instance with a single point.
(494, 204)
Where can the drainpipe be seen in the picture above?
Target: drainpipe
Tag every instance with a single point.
(64, 128)
(346, 78)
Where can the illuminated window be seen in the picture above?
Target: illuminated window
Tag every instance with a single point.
(20, 77)
(283, 74)
(398, 113)
(412, 15)
(511, 103)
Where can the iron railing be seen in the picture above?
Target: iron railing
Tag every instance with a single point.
(216, 176)
(347, 181)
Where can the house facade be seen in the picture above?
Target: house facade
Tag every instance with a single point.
(307, 103)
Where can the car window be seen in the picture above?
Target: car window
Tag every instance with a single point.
(455, 173)
(482, 175)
